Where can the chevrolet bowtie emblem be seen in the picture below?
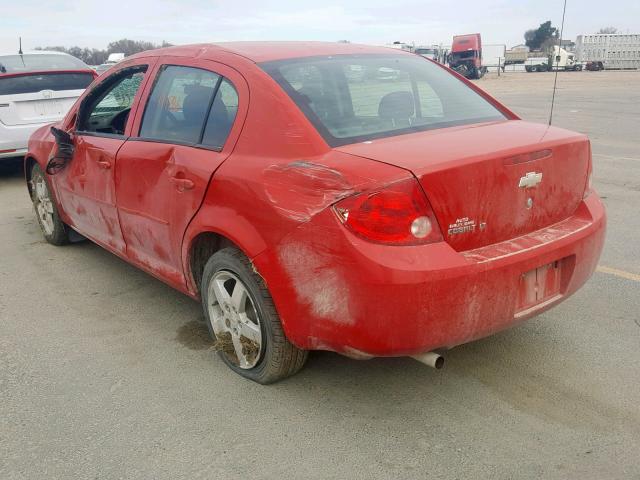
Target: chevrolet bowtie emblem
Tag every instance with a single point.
(530, 180)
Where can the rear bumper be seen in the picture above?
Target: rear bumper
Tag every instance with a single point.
(334, 291)
(14, 138)
(12, 152)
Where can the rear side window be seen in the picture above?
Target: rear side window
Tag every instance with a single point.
(47, 81)
(221, 117)
(191, 106)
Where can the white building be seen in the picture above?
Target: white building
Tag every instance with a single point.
(615, 50)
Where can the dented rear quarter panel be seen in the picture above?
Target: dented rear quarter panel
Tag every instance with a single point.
(279, 176)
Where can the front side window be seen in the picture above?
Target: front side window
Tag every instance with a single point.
(191, 106)
(352, 98)
(106, 109)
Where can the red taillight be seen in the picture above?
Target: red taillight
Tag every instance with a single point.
(399, 214)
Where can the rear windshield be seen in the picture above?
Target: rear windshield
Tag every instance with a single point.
(352, 98)
(40, 62)
(45, 81)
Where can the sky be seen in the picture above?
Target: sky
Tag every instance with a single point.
(91, 23)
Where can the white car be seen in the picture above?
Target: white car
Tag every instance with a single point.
(36, 88)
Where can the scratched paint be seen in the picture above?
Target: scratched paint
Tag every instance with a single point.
(527, 242)
(317, 282)
(301, 189)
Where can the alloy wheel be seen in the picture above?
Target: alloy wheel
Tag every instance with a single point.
(44, 206)
(235, 320)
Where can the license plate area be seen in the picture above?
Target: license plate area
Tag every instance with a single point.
(37, 110)
(540, 285)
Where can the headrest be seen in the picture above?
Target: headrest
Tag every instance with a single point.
(195, 104)
(396, 106)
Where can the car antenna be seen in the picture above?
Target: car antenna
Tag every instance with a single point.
(557, 59)
(19, 45)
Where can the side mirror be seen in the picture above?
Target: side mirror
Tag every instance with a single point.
(64, 151)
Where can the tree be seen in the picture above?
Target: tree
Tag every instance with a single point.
(53, 49)
(542, 37)
(129, 47)
(94, 56)
(608, 30)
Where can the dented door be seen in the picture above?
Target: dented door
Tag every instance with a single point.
(162, 174)
(87, 190)
(102, 125)
(160, 187)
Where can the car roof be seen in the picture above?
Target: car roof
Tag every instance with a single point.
(269, 51)
(34, 52)
(32, 63)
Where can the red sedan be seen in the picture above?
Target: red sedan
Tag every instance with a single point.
(322, 196)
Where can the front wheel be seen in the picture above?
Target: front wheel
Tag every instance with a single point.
(53, 230)
(243, 320)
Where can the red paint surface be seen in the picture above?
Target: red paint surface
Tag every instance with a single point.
(469, 172)
(270, 192)
(86, 190)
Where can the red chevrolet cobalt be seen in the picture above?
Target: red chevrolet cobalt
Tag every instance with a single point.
(322, 196)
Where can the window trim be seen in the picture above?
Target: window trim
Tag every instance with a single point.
(199, 144)
(216, 89)
(173, 142)
(100, 135)
(144, 68)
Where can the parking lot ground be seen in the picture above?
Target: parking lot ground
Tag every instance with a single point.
(107, 373)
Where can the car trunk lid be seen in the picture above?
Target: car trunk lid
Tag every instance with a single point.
(491, 182)
(40, 97)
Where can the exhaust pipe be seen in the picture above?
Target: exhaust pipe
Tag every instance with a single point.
(431, 359)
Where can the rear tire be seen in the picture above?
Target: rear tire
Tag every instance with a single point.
(262, 354)
(53, 229)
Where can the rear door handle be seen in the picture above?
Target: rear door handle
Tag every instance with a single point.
(105, 164)
(182, 184)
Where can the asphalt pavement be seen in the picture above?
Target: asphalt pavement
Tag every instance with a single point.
(107, 373)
